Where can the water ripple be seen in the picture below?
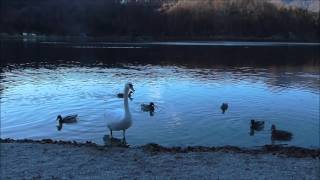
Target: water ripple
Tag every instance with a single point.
(187, 99)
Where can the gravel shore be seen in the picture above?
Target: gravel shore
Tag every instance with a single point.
(47, 160)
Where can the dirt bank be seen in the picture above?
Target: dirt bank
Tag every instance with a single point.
(49, 159)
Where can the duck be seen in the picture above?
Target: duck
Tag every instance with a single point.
(124, 121)
(67, 119)
(224, 107)
(257, 125)
(280, 134)
(121, 95)
(148, 107)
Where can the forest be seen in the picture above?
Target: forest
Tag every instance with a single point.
(161, 19)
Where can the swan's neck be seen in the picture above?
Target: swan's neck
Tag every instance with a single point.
(126, 103)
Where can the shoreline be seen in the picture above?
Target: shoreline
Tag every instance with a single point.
(288, 151)
(147, 39)
(48, 159)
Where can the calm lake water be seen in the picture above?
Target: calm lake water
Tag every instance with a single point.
(276, 83)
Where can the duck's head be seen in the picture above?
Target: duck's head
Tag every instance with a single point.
(151, 106)
(273, 127)
(252, 121)
(129, 86)
(59, 118)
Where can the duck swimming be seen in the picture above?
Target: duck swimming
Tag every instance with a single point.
(257, 125)
(280, 134)
(148, 107)
(121, 95)
(67, 119)
(224, 107)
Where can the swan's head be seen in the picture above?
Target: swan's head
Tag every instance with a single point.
(129, 86)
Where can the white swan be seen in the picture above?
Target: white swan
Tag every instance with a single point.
(125, 121)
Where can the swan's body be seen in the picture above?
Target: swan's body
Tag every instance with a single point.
(123, 122)
(224, 107)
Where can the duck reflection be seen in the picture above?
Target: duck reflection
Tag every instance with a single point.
(59, 126)
(279, 135)
(151, 113)
(256, 126)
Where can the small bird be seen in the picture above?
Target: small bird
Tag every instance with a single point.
(121, 95)
(148, 107)
(257, 125)
(280, 134)
(224, 107)
(67, 119)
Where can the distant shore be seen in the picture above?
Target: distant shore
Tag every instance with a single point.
(136, 39)
(49, 159)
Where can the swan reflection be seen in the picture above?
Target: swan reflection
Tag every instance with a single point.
(111, 141)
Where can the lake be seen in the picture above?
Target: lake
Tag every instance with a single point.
(274, 82)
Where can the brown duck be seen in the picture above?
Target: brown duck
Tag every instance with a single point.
(280, 134)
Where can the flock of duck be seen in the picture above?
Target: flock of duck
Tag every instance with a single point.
(276, 134)
(125, 121)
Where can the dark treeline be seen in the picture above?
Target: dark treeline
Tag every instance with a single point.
(160, 19)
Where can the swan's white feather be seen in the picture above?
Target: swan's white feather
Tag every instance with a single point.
(121, 120)
(117, 121)
(119, 125)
